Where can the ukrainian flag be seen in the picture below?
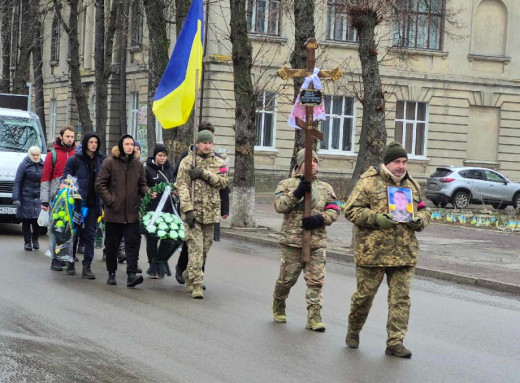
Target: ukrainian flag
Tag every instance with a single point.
(175, 94)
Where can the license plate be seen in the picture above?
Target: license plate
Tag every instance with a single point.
(7, 210)
(432, 186)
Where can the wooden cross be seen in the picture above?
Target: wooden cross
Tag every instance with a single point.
(285, 73)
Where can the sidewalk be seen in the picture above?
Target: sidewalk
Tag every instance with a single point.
(471, 256)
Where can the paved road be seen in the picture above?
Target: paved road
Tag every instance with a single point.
(474, 252)
(58, 328)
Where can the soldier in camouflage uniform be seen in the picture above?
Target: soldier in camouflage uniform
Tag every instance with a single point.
(325, 210)
(384, 246)
(210, 175)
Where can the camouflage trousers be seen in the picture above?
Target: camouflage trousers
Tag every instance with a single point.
(199, 240)
(313, 272)
(369, 279)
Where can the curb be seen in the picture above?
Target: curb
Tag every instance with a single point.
(269, 241)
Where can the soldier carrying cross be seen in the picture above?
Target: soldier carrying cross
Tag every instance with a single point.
(308, 205)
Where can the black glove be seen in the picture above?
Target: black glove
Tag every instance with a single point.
(415, 224)
(46, 204)
(189, 218)
(303, 187)
(313, 222)
(195, 173)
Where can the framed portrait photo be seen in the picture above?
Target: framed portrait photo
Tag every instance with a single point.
(400, 203)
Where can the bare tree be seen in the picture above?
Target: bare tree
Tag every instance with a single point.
(71, 28)
(122, 37)
(245, 113)
(6, 8)
(104, 43)
(365, 16)
(37, 64)
(158, 58)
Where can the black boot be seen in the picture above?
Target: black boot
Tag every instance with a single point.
(178, 275)
(111, 279)
(71, 270)
(36, 245)
(27, 240)
(133, 280)
(86, 273)
(56, 265)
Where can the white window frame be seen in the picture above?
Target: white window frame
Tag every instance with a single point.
(52, 118)
(253, 12)
(332, 17)
(158, 132)
(133, 113)
(260, 113)
(415, 121)
(329, 115)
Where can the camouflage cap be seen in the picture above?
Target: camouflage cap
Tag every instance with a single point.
(300, 157)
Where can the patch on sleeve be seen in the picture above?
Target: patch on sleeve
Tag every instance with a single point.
(223, 169)
(421, 205)
(332, 205)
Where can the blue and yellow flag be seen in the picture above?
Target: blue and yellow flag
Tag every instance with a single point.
(175, 94)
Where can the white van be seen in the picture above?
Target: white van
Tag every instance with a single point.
(19, 130)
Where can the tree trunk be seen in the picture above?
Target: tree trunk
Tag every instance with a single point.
(123, 43)
(75, 75)
(37, 63)
(103, 63)
(5, 36)
(22, 72)
(243, 201)
(303, 30)
(373, 131)
(158, 58)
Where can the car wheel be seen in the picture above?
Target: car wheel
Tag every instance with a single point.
(435, 202)
(516, 201)
(43, 230)
(461, 200)
(499, 206)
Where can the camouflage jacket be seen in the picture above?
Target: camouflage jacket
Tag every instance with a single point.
(207, 196)
(374, 246)
(292, 209)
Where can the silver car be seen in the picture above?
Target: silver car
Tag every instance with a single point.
(465, 185)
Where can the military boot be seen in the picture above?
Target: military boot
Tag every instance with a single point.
(352, 339)
(398, 350)
(56, 264)
(279, 310)
(197, 293)
(314, 322)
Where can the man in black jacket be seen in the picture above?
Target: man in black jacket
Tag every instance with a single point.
(85, 166)
(182, 263)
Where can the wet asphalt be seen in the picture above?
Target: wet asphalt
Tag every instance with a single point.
(59, 328)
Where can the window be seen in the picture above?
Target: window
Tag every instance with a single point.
(338, 25)
(419, 24)
(265, 118)
(338, 128)
(410, 126)
(494, 177)
(55, 40)
(263, 17)
(134, 112)
(52, 118)
(136, 37)
(473, 174)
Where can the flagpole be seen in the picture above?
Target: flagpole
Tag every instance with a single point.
(195, 132)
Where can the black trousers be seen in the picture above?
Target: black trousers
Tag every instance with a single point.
(26, 228)
(182, 262)
(132, 234)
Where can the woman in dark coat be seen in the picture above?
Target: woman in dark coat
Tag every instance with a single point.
(158, 169)
(26, 196)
